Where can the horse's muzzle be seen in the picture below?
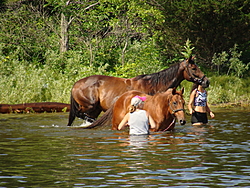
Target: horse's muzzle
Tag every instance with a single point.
(182, 122)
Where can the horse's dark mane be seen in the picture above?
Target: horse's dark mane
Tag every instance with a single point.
(161, 77)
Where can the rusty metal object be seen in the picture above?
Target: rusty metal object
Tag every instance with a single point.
(34, 107)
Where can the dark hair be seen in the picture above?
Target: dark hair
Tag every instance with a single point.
(195, 86)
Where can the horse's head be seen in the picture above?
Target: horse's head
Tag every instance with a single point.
(193, 73)
(176, 105)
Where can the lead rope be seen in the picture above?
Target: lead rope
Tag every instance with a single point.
(169, 125)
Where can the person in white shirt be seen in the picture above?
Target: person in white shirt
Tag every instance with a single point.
(138, 120)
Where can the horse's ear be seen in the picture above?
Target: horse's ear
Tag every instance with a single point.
(174, 91)
(182, 90)
(190, 58)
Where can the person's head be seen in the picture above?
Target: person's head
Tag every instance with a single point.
(136, 102)
(196, 86)
(200, 87)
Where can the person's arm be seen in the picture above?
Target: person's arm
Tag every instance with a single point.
(191, 102)
(124, 122)
(151, 122)
(208, 110)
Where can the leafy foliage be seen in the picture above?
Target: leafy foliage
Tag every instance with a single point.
(231, 61)
(115, 37)
(213, 26)
(188, 50)
(226, 89)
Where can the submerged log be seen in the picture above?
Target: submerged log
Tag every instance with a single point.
(34, 107)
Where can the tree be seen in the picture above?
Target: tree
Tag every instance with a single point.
(24, 35)
(69, 10)
(213, 26)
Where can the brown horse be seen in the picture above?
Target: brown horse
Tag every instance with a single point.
(94, 94)
(164, 108)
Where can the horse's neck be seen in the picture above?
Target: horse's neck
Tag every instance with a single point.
(165, 80)
(161, 87)
(162, 100)
(148, 88)
(178, 77)
(175, 83)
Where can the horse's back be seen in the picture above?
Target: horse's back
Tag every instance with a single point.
(99, 89)
(94, 79)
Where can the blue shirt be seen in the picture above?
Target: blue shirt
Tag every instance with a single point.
(201, 99)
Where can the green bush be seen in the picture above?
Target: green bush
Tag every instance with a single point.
(23, 82)
(231, 62)
(226, 89)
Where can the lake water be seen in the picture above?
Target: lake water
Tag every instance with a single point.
(38, 150)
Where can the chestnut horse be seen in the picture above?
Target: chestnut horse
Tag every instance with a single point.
(164, 108)
(94, 94)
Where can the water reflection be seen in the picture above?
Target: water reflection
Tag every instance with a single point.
(138, 141)
(40, 151)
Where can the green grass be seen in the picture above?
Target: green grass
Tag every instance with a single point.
(25, 83)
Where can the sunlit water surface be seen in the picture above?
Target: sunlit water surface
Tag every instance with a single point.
(38, 150)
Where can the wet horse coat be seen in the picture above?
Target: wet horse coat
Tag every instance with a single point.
(94, 94)
(164, 108)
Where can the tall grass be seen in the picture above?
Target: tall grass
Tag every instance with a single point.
(28, 84)
(229, 89)
(24, 83)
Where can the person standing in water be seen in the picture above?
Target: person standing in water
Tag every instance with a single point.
(198, 106)
(138, 120)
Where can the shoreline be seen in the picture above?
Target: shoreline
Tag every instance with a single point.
(232, 104)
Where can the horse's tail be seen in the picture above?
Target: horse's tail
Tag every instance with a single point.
(104, 119)
(73, 110)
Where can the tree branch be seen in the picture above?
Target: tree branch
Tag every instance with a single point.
(90, 6)
(78, 2)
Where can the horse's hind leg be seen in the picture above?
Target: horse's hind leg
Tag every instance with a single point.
(73, 109)
(85, 111)
(71, 118)
(91, 116)
(87, 99)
